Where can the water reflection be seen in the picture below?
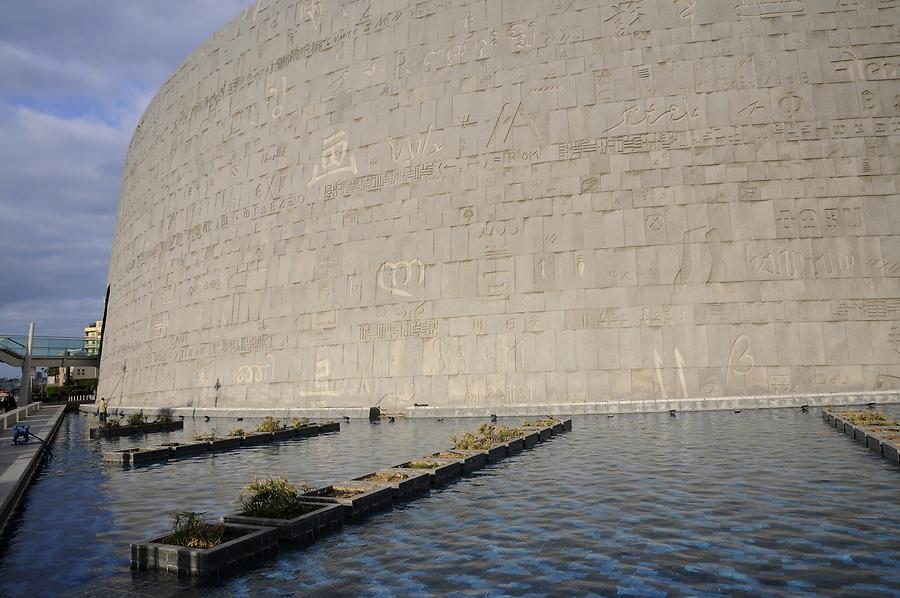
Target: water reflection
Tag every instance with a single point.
(761, 502)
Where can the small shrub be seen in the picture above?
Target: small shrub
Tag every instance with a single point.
(136, 419)
(270, 424)
(299, 422)
(113, 423)
(237, 432)
(191, 531)
(339, 492)
(424, 464)
(541, 423)
(487, 436)
(163, 418)
(274, 498)
(209, 436)
(386, 477)
(867, 418)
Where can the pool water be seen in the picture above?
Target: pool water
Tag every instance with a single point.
(761, 503)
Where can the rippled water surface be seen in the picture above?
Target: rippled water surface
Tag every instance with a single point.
(770, 503)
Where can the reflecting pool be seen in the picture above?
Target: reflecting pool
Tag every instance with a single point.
(768, 502)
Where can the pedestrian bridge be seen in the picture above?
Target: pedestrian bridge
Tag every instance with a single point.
(49, 351)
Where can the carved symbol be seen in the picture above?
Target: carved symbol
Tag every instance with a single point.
(506, 121)
(739, 360)
(654, 222)
(468, 214)
(334, 153)
(791, 103)
(868, 99)
(701, 257)
(393, 283)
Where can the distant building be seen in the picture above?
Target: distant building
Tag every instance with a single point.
(92, 334)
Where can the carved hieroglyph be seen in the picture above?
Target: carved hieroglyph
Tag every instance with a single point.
(514, 202)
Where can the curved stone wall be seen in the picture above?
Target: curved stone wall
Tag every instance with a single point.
(514, 202)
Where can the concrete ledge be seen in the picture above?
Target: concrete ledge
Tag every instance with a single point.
(9, 419)
(599, 407)
(662, 406)
(20, 462)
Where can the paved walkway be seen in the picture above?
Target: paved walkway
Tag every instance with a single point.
(19, 462)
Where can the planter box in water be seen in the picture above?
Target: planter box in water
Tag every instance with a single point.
(497, 453)
(307, 431)
(304, 529)
(890, 451)
(471, 460)
(442, 473)
(288, 434)
(515, 446)
(251, 544)
(558, 428)
(138, 456)
(148, 428)
(329, 427)
(225, 444)
(543, 433)
(531, 439)
(567, 425)
(406, 484)
(257, 438)
(178, 450)
(873, 442)
(358, 501)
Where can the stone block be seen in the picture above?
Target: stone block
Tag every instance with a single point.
(137, 456)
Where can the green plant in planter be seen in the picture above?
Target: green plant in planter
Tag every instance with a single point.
(867, 418)
(163, 418)
(299, 422)
(136, 419)
(113, 423)
(236, 432)
(208, 437)
(424, 464)
(191, 531)
(485, 437)
(270, 424)
(273, 498)
(542, 423)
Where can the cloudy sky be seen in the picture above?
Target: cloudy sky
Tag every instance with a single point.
(76, 76)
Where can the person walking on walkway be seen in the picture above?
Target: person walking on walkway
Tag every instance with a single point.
(101, 410)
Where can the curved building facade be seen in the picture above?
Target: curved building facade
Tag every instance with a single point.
(510, 204)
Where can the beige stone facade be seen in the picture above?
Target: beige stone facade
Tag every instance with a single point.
(508, 204)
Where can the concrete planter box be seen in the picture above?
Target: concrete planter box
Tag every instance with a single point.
(531, 439)
(827, 417)
(210, 563)
(225, 444)
(567, 425)
(178, 450)
(446, 472)
(303, 529)
(148, 428)
(557, 428)
(890, 452)
(256, 438)
(329, 427)
(543, 433)
(497, 453)
(288, 434)
(307, 431)
(859, 434)
(358, 507)
(138, 456)
(471, 460)
(873, 442)
(515, 446)
(413, 484)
